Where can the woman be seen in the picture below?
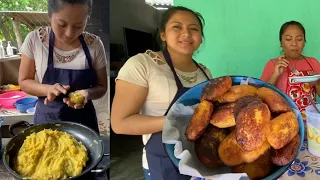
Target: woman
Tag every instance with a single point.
(155, 80)
(277, 71)
(61, 59)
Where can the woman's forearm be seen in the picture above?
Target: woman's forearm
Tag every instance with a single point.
(34, 88)
(273, 79)
(96, 92)
(138, 124)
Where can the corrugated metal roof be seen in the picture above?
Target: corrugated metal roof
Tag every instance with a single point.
(29, 18)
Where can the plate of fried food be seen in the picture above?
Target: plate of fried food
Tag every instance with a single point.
(233, 125)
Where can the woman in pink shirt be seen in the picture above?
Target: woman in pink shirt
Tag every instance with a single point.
(277, 71)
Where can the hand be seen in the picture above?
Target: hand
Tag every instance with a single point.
(54, 91)
(84, 93)
(280, 65)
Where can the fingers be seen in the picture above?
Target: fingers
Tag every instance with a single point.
(46, 101)
(78, 106)
(55, 91)
(75, 106)
(283, 60)
(66, 87)
(282, 64)
(61, 89)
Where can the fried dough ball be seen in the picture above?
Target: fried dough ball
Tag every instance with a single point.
(199, 121)
(216, 88)
(243, 102)
(258, 169)
(206, 147)
(236, 92)
(285, 155)
(253, 126)
(283, 129)
(232, 154)
(275, 101)
(223, 116)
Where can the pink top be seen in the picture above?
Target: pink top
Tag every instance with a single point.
(301, 65)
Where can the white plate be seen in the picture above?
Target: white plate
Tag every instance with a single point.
(304, 79)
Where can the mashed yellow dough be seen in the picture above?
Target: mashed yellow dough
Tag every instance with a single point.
(50, 155)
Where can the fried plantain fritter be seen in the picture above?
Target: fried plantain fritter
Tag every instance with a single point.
(286, 155)
(232, 154)
(283, 129)
(258, 169)
(236, 92)
(206, 147)
(243, 102)
(216, 88)
(223, 116)
(199, 121)
(253, 126)
(275, 101)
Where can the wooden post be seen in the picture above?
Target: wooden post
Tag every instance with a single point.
(17, 32)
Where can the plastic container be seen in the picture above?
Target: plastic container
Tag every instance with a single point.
(24, 104)
(31, 110)
(313, 130)
(9, 98)
(9, 49)
(2, 51)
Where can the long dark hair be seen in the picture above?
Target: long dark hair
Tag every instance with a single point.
(55, 5)
(285, 26)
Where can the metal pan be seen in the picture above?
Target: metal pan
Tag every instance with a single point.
(90, 139)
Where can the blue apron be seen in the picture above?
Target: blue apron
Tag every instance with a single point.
(57, 110)
(160, 166)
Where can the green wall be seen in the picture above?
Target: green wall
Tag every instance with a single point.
(242, 35)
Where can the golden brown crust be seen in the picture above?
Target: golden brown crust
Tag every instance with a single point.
(275, 101)
(206, 147)
(253, 126)
(231, 153)
(283, 129)
(243, 102)
(199, 121)
(216, 88)
(285, 155)
(223, 116)
(258, 169)
(236, 92)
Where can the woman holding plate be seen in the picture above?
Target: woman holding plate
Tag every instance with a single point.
(279, 71)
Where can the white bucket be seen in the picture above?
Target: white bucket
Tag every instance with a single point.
(313, 130)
